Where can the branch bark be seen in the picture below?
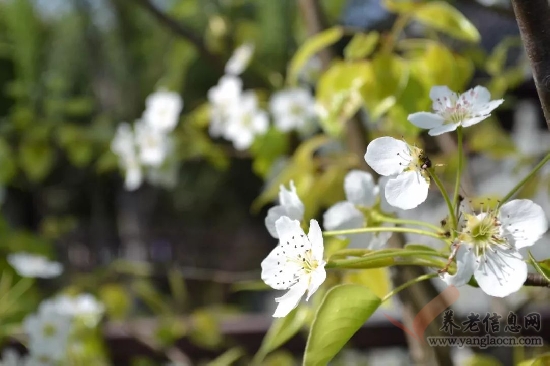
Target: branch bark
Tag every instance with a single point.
(532, 17)
(183, 31)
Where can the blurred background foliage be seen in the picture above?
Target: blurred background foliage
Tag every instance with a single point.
(71, 70)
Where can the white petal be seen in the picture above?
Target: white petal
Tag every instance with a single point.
(524, 220)
(274, 214)
(290, 300)
(473, 121)
(276, 272)
(260, 122)
(134, 178)
(292, 238)
(407, 190)
(379, 239)
(483, 94)
(442, 129)
(315, 236)
(440, 92)
(426, 120)
(243, 139)
(487, 108)
(502, 273)
(465, 263)
(360, 188)
(385, 154)
(292, 203)
(384, 205)
(344, 215)
(316, 280)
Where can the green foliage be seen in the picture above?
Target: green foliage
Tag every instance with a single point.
(343, 311)
(361, 45)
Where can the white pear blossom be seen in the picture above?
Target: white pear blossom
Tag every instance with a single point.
(223, 97)
(405, 165)
(296, 264)
(452, 110)
(290, 205)
(154, 145)
(48, 332)
(162, 110)
(124, 146)
(34, 265)
(245, 121)
(240, 59)
(361, 194)
(489, 244)
(292, 109)
(84, 306)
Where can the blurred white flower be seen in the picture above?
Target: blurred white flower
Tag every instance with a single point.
(124, 146)
(489, 244)
(153, 145)
(11, 357)
(223, 97)
(240, 59)
(162, 110)
(361, 193)
(406, 165)
(48, 332)
(452, 110)
(296, 264)
(33, 265)
(290, 205)
(246, 121)
(292, 109)
(530, 139)
(84, 306)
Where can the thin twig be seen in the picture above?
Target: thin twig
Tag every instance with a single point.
(532, 17)
(182, 30)
(536, 280)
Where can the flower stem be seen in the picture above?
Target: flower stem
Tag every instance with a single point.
(378, 256)
(524, 180)
(445, 197)
(381, 229)
(398, 221)
(409, 283)
(459, 169)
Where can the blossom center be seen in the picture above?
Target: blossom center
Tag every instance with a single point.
(455, 109)
(483, 232)
(415, 160)
(49, 330)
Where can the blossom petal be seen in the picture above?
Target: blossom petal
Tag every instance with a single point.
(291, 201)
(290, 300)
(317, 278)
(487, 108)
(275, 271)
(407, 190)
(465, 264)
(344, 215)
(360, 188)
(440, 92)
(442, 129)
(426, 120)
(315, 236)
(473, 121)
(386, 155)
(274, 214)
(524, 220)
(384, 205)
(502, 273)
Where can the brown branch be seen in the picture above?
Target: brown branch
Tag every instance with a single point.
(536, 280)
(183, 31)
(532, 17)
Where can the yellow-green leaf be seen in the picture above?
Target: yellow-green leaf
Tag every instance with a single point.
(281, 330)
(445, 18)
(361, 45)
(310, 47)
(344, 310)
(541, 269)
(227, 358)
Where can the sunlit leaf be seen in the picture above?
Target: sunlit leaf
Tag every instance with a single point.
(344, 310)
(445, 18)
(361, 45)
(311, 47)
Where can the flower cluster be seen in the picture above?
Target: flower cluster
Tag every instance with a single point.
(34, 266)
(235, 114)
(148, 144)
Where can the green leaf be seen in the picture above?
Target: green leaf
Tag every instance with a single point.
(116, 300)
(361, 45)
(496, 61)
(543, 271)
(281, 330)
(36, 158)
(445, 18)
(541, 360)
(310, 47)
(343, 311)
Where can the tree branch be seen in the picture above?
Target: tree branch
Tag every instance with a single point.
(536, 280)
(183, 31)
(532, 17)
